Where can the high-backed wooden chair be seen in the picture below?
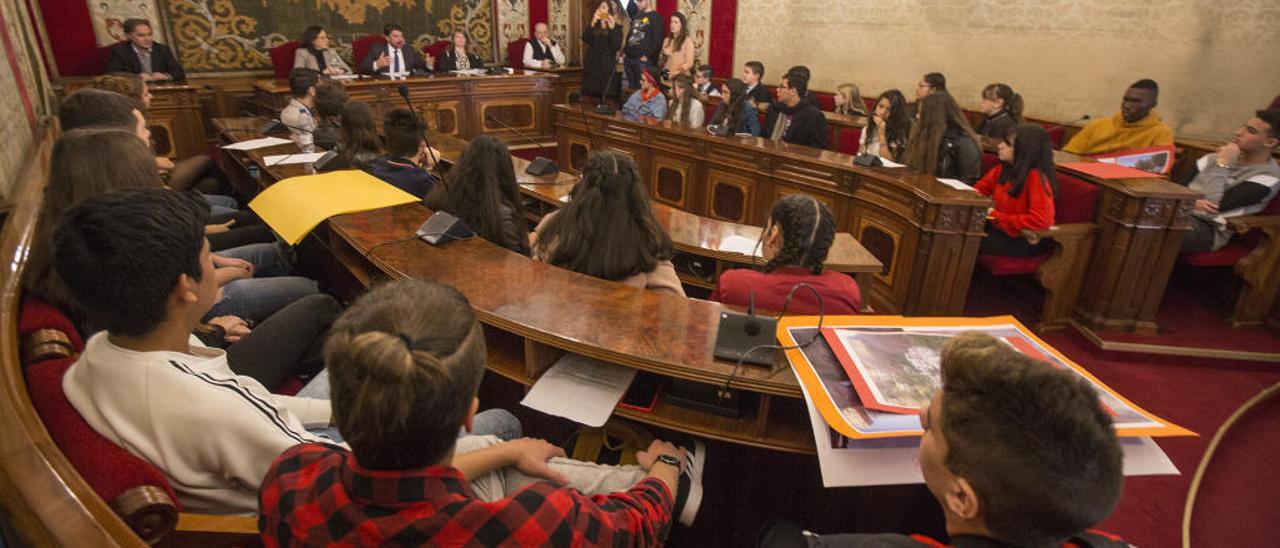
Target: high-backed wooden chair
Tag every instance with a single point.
(360, 48)
(515, 53)
(1254, 252)
(282, 58)
(68, 489)
(1061, 269)
(435, 50)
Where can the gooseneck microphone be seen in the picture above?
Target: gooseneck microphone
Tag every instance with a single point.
(403, 90)
(541, 165)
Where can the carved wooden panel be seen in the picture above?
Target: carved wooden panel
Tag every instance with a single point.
(579, 149)
(782, 190)
(519, 113)
(729, 196)
(162, 138)
(671, 180)
(441, 116)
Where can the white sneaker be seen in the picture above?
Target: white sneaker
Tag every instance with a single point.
(691, 483)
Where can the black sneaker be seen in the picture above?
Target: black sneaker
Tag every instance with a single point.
(689, 491)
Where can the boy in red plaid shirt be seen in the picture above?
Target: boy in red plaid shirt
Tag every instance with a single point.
(405, 362)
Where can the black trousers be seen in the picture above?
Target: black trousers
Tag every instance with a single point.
(287, 344)
(999, 243)
(1200, 238)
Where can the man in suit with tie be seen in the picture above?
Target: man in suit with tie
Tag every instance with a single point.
(392, 57)
(143, 56)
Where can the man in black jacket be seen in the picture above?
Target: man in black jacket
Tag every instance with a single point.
(143, 56)
(644, 42)
(392, 56)
(794, 120)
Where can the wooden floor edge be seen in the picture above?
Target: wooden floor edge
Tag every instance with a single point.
(1167, 350)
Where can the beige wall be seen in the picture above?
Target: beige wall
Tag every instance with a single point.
(1216, 61)
(15, 126)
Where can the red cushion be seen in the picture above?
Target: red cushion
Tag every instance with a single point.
(871, 104)
(1076, 201)
(1056, 133)
(515, 53)
(826, 101)
(38, 314)
(436, 50)
(360, 47)
(989, 160)
(1273, 207)
(849, 140)
(1007, 266)
(282, 58)
(1227, 256)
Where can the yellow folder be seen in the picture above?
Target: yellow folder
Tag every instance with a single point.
(294, 206)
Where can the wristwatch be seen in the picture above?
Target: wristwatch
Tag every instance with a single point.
(668, 459)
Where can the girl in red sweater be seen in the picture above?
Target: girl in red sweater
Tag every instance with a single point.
(795, 244)
(1022, 186)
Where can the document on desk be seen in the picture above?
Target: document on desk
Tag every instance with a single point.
(890, 163)
(956, 184)
(740, 244)
(295, 158)
(253, 144)
(580, 389)
(294, 206)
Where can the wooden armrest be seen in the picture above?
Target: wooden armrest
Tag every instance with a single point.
(1250, 222)
(216, 523)
(46, 344)
(1059, 231)
(147, 510)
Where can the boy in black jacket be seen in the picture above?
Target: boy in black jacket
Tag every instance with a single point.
(794, 120)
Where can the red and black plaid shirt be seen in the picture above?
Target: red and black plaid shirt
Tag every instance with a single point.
(316, 494)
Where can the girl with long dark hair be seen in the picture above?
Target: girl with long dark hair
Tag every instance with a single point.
(735, 113)
(361, 143)
(1022, 186)
(603, 38)
(794, 243)
(685, 109)
(608, 230)
(677, 48)
(888, 128)
(481, 189)
(942, 143)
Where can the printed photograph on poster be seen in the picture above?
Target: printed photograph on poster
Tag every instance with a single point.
(1151, 159)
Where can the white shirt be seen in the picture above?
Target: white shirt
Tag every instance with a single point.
(868, 143)
(212, 433)
(696, 114)
(530, 62)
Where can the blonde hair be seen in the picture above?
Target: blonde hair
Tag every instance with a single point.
(853, 104)
(405, 362)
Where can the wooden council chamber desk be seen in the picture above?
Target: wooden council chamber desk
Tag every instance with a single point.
(174, 117)
(461, 106)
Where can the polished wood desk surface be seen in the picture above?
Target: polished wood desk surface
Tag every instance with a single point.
(689, 232)
(923, 186)
(1144, 186)
(278, 85)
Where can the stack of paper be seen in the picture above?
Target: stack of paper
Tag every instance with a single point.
(740, 244)
(580, 389)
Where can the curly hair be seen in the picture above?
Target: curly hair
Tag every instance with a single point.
(608, 229)
(808, 229)
(478, 187)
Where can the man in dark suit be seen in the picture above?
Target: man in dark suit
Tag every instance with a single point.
(143, 56)
(392, 57)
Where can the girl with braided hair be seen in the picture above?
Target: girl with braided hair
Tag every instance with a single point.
(794, 243)
(608, 230)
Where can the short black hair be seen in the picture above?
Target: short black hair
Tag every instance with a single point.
(797, 81)
(331, 97)
(801, 69)
(389, 27)
(1032, 439)
(706, 70)
(121, 253)
(133, 23)
(402, 132)
(756, 67)
(1272, 118)
(301, 80)
(936, 80)
(1147, 83)
(96, 108)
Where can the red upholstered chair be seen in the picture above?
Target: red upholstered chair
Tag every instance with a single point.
(137, 491)
(436, 50)
(361, 46)
(826, 101)
(871, 104)
(1254, 251)
(1061, 270)
(849, 140)
(515, 53)
(1057, 133)
(282, 58)
(101, 55)
(989, 160)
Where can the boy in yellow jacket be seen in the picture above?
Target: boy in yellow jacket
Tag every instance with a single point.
(1135, 126)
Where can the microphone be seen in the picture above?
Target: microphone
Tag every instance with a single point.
(1054, 126)
(403, 90)
(603, 106)
(274, 125)
(541, 165)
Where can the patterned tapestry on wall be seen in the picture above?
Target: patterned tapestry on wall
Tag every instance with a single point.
(698, 12)
(109, 17)
(513, 24)
(235, 35)
(558, 21)
(25, 93)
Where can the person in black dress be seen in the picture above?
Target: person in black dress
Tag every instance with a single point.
(603, 39)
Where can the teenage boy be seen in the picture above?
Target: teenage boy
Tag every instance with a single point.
(1136, 125)
(702, 82)
(408, 158)
(792, 119)
(299, 115)
(1016, 452)
(1241, 178)
(752, 76)
(405, 362)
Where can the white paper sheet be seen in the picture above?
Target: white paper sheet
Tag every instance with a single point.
(580, 389)
(286, 159)
(740, 244)
(253, 144)
(891, 163)
(956, 184)
(344, 76)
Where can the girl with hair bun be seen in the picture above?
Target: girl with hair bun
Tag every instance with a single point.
(1003, 108)
(794, 243)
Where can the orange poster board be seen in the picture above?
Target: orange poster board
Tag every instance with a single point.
(833, 393)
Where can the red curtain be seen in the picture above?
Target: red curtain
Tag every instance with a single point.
(537, 13)
(71, 37)
(724, 16)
